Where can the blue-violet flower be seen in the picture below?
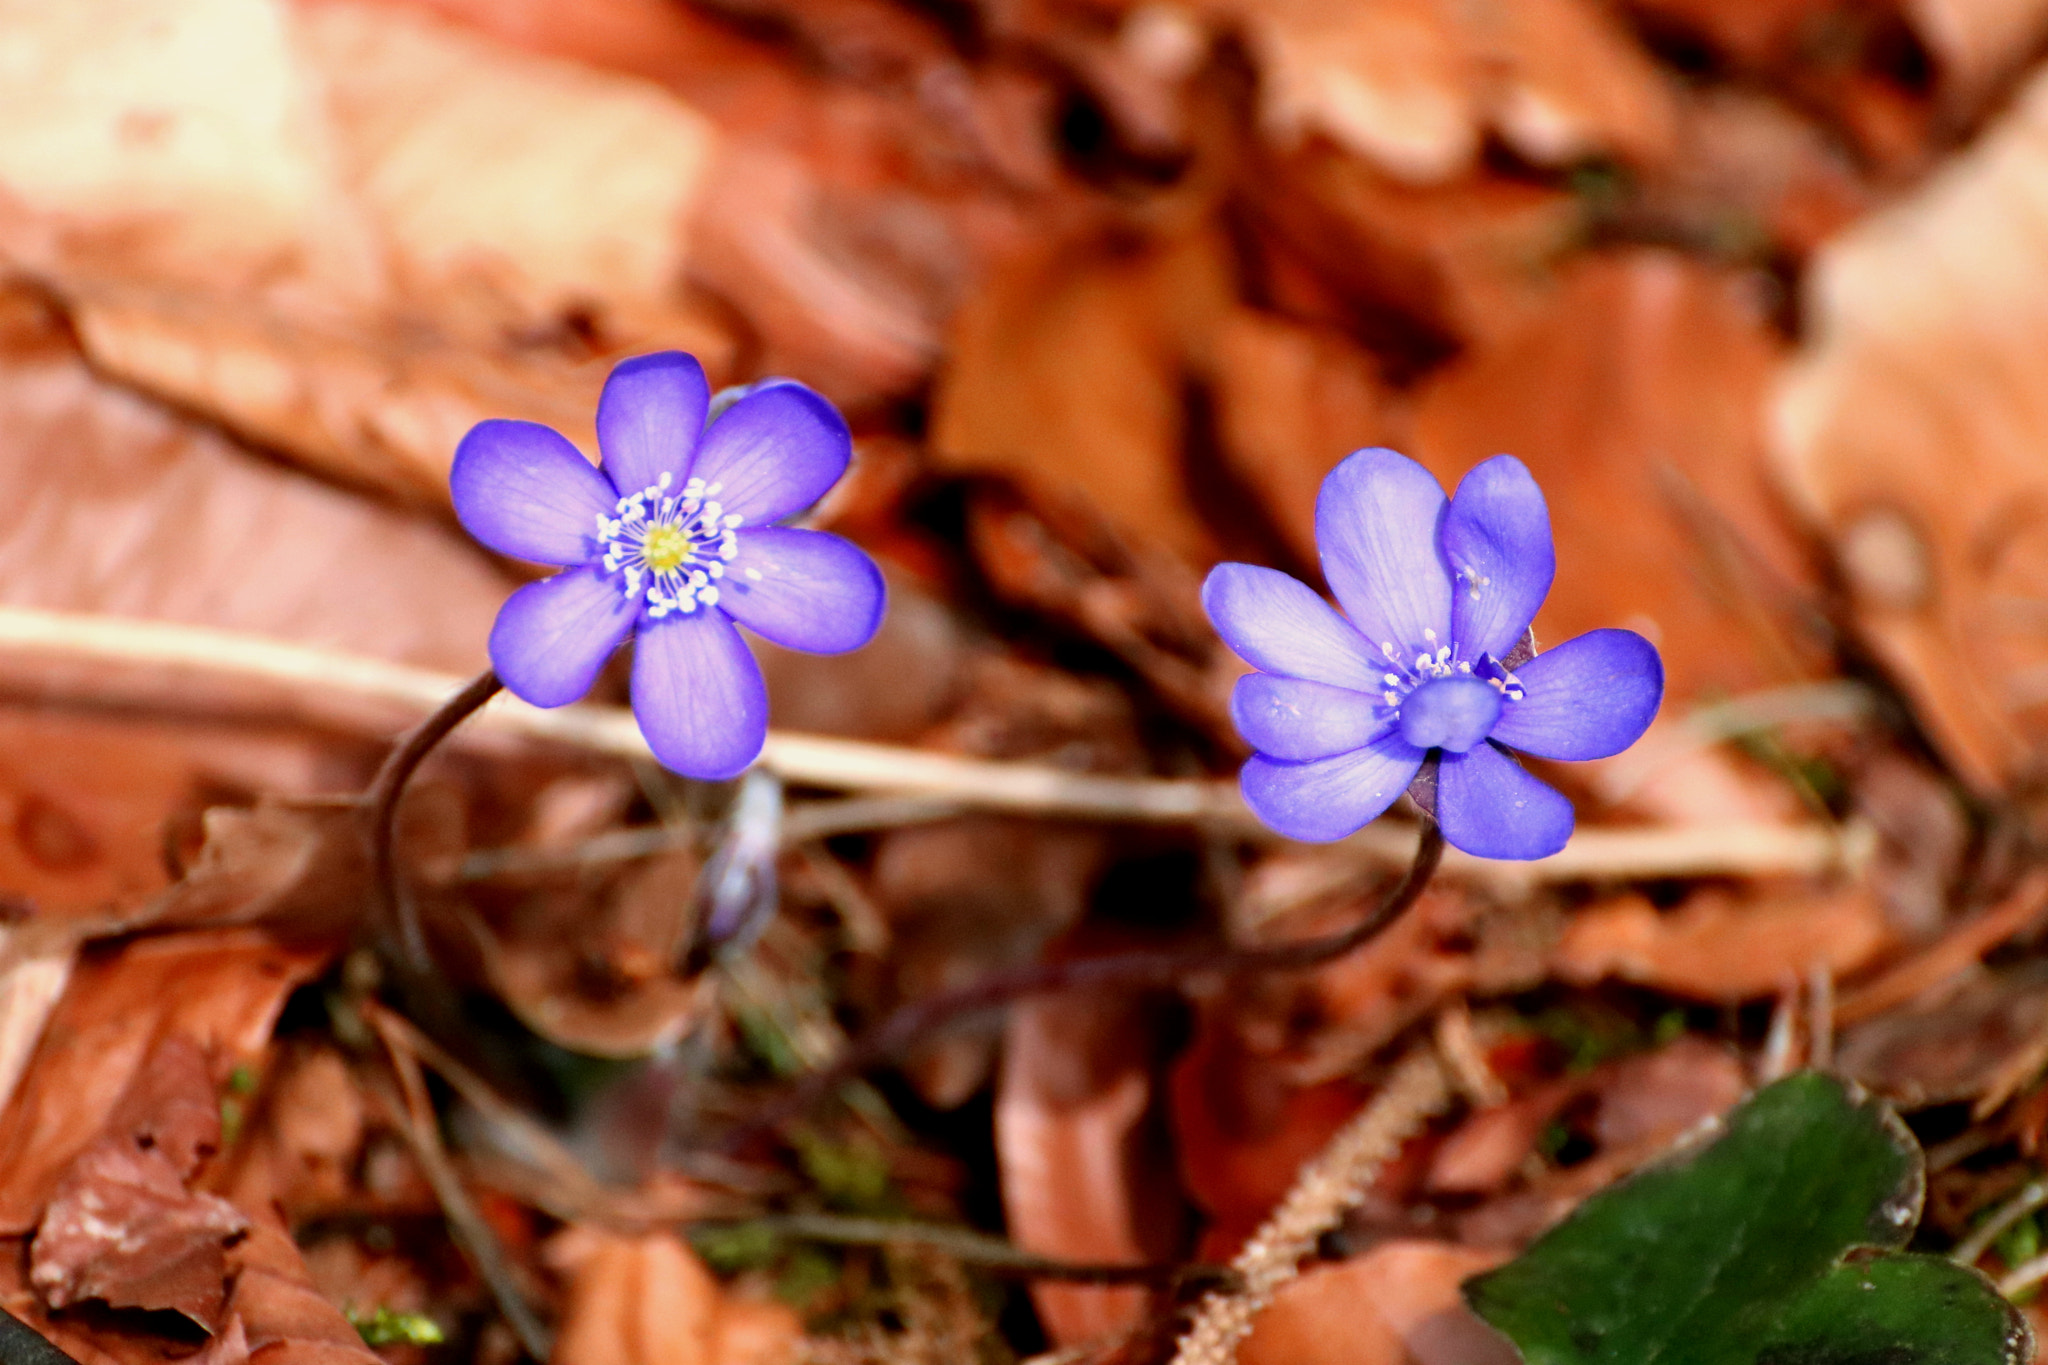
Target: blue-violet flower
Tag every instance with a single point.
(673, 539)
(1440, 593)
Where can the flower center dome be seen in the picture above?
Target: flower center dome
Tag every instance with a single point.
(1453, 714)
(1444, 702)
(671, 548)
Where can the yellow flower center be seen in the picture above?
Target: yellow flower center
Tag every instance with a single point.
(665, 548)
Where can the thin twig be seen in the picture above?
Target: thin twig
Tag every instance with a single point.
(963, 1244)
(423, 1134)
(333, 688)
(1949, 956)
(1416, 1092)
(2030, 1196)
(2025, 1275)
(918, 1020)
(381, 798)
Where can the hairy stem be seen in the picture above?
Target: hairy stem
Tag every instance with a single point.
(915, 1021)
(380, 807)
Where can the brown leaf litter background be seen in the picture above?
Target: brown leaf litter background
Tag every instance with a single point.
(1104, 289)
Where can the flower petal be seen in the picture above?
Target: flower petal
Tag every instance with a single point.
(698, 695)
(774, 452)
(523, 490)
(1278, 624)
(552, 637)
(1496, 539)
(1591, 697)
(650, 418)
(807, 590)
(1295, 719)
(1491, 807)
(1330, 797)
(1376, 524)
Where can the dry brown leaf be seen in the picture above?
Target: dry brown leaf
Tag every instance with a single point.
(1978, 44)
(1628, 1104)
(1953, 1047)
(1637, 402)
(1396, 1305)
(1909, 431)
(1418, 272)
(221, 989)
(300, 1149)
(281, 1315)
(1066, 370)
(499, 172)
(1291, 401)
(1756, 33)
(1415, 85)
(1722, 946)
(311, 255)
(121, 507)
(1080, 1158)
(833, 218)
(648, 1300)
(122, 1225)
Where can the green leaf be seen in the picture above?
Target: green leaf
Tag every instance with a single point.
(1774, 1244)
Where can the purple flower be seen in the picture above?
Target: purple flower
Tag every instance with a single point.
(1440, 593)
(674, 538)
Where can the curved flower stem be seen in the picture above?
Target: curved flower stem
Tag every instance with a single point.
(380, 806)
(915, 1021)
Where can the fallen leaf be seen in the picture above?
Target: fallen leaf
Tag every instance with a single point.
(1417, 273)
(587, 189)
(1908, 433)
(1625, 1105)
(1951, 1047)
(304, 255)
(648, 1300)
(1396, 1305)
(221, 989)
(1065, 370)
(1722, 946)
(1637, 399)
(123, 1226)
(1414, 86)
(282, 1316)
(125, 508)
(1291, 401)
(1081, 1155)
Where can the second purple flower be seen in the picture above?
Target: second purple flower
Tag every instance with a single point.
(672, 539)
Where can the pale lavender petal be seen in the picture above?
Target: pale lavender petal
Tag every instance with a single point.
(774, 453)
(552, 637)
(523, 490)
(1330, 797)
(1496, 539)
(1278, 624)
(1294, 719)
(649, 419)
(1376, 524)
(1491, 807)
(807, 590)
(698, 695)
(1591, 697)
